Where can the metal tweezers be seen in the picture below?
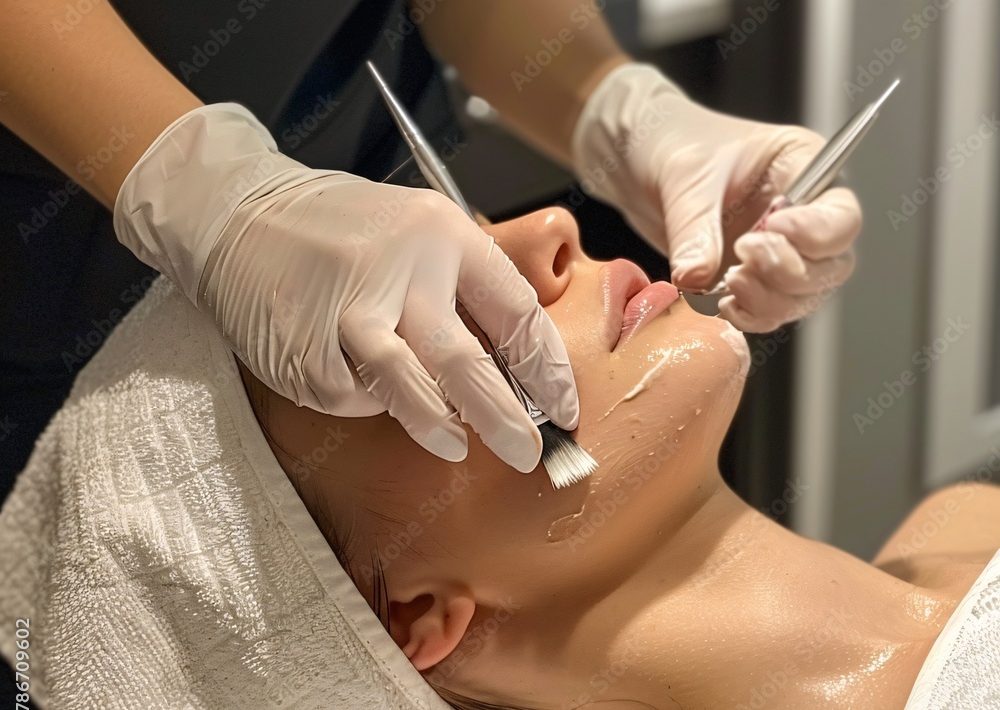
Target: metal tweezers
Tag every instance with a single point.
(438, 177)
(820, 173)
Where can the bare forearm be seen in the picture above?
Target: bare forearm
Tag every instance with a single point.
(90, 98)
(499, 48)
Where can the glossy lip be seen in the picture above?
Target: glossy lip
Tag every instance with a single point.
(629, 300)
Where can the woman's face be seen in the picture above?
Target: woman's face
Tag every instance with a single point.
(658, 385)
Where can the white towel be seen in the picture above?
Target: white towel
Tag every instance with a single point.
(163, 558)
(962, 671)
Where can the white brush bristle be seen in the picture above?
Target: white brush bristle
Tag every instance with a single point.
(565, 460)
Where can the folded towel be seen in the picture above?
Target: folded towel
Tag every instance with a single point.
(162, 556)
(962, 671)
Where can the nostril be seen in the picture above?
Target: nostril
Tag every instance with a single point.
(561, 260)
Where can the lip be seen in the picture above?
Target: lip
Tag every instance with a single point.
(630, 300)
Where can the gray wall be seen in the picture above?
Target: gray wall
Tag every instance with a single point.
(882, 315)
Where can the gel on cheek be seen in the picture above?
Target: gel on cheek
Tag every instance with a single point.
(631, 455)
(565, 527)
(637, 447)
(662, 358)
(738, 342)
(632, 452)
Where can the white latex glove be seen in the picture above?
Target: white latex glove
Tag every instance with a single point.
(299, 267)
(694, 182)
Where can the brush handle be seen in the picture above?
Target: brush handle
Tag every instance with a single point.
(500, 360)
(439, 178)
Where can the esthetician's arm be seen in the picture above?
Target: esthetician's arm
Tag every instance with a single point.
(90, 98)
(322, 306)
(495, 47)
(691, 181)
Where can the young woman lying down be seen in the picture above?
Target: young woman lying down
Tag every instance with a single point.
(162, 555)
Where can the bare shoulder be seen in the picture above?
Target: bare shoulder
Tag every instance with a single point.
(948, 537)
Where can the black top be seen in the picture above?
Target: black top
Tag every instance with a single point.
(299, 66)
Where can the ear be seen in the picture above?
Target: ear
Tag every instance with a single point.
(430, 626)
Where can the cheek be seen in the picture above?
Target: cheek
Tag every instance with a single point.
(653, 414)
(485, 524)
(472, 519)
(682, 373)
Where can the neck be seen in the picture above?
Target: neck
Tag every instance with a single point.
(732, 611)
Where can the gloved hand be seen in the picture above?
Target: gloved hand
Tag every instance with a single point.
(302, 269)
(694, 182)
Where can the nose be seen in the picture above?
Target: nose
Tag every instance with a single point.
(544, 246)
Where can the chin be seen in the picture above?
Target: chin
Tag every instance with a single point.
(679, 370)
(653, 414)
